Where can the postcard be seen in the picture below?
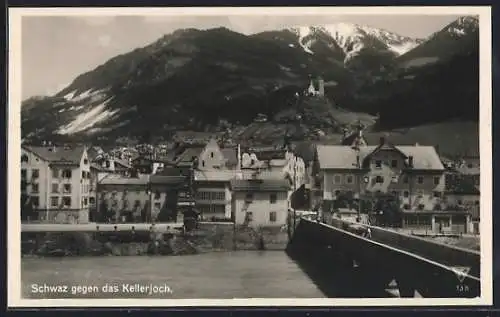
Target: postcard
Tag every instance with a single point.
(263, 156)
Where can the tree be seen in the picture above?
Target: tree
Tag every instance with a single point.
(387, 207)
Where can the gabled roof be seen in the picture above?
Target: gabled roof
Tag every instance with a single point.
(60, 155)
(189, 153)
(215, 176)
(113, 179)
(167, 179)
(345, 157)
(260, 185)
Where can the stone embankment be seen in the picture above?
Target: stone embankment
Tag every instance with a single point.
(208, 237)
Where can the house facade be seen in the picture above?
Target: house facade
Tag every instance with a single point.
(57, 182)
(414, 175)
(260, 202)
(123, 199)
(213, 194)
(165, 196)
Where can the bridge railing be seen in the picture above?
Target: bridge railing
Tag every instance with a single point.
(439, 252)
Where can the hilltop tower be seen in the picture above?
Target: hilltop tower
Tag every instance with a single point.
(321, 87)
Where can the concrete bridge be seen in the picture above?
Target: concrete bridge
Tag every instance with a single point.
(345, 264)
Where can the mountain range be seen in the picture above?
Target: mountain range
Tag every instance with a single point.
(195, 79)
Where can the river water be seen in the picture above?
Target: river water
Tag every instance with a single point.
(218, 275)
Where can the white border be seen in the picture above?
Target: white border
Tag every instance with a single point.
(14, 256)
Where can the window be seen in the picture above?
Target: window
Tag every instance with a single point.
(378, 164)
(249, 197)
(379, 179)
(421, 207)
(437, 194)
(108, 164)
(55, 188)
(394, 163)
(85, 201)
(273, 198)
(157, 194)
(55, 173)
(349, 179)
(35, 173)
(91, 200)
(337, 179)
(420, 179)
(212, 154)
(34, 188)
(66, 201)
(405, 179)
(272, 216)
(54, 201)
(248, 216)
(406, 194)
(66, 173)
(24, 158)
(395, 193)
(437, 180)
(23, 174)
(406, 206)
(85, 161)
(460, 202)
(476, 202)
(67, 188)
(203, 163)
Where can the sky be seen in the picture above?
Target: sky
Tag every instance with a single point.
(56, 49)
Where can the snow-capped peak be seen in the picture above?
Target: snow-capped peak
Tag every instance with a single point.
(351, 38)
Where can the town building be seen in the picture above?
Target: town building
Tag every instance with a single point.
(213, 194)
(413, 175)
(260, 202)
(165, 191)
(123, 199)
(56, 181)
(208, 157)
(112, 164)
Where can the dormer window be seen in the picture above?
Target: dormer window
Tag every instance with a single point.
(24, 158)
(378, 164)
(66, 173)
(85, 161)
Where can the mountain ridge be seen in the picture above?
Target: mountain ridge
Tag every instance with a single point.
(192, 79)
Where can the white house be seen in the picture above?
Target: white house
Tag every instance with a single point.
(260, 202)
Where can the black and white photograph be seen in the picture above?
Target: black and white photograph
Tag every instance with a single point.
(322, 156)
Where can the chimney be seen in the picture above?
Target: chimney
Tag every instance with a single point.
(382, 140)
(410, 161)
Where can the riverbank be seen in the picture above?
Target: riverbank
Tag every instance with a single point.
(208, 237)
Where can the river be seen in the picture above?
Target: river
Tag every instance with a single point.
(218, 275)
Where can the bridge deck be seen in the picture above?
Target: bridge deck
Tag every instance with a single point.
(439, 255)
